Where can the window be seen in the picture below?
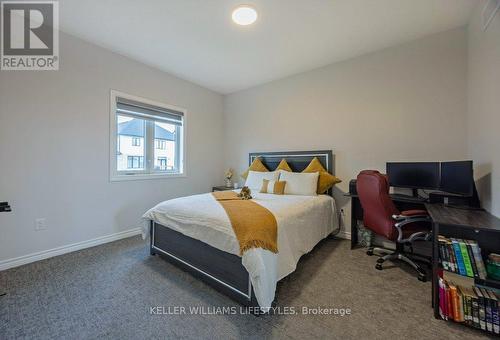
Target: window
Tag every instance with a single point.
(147, 138)
(135, 162)
(136, 141)
(161, 144)
(162, 163)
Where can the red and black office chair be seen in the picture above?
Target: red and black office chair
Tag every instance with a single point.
(383, 218)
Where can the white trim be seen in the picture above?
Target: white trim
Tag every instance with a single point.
(487, 20)
(25, 259)
(344, 234)
(114, 175)
(143, 176)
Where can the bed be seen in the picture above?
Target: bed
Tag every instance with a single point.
(195, 234)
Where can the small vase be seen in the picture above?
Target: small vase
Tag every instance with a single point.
(229, 184)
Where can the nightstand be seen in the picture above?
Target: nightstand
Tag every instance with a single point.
(223, 188)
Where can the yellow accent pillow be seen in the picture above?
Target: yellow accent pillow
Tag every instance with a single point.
(255, 166)
(325, 180)
(284, 166)
(273, 187)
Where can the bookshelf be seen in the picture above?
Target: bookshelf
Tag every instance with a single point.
(461, 224)
(478, 281)
(488, 283)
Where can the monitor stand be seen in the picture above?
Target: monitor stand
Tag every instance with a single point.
(456, 201)
(413, 198)
(414, 193)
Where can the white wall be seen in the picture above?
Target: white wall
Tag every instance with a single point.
(54, 153)
(403, 103)
(484, 107)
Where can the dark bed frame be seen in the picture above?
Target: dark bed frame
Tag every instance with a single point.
(221, 270)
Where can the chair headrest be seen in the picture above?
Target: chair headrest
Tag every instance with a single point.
(382, 178)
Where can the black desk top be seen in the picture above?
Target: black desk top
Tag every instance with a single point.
(477, 219)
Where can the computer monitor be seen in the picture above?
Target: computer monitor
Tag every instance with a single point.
(457, 178)
(417, 175)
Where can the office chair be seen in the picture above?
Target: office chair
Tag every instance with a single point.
(383, 218)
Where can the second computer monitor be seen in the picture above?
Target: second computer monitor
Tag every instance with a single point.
(417, 175)
(457, 177)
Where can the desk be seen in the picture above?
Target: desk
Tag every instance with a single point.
(402, 202)
(476, 225)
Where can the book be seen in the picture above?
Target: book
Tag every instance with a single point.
(478, 258)
(482, 311)
(465, 256)
(471, 257)
(494, 311)
(495, 258)
(487, 310)
(442, 253)
(458, 256)
(460, 305)
(449, 304)
(457, 279)
(448, 254)
(442, 300)
(454, 302)
(467, 298)
(466, 302)
(475, 309)
(451, 254)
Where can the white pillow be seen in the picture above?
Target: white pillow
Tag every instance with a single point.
(298, 183)
(254, 179)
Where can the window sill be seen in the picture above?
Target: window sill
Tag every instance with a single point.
(140, 177)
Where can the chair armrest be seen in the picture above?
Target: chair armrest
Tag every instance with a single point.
(412, 220)
(410, 214)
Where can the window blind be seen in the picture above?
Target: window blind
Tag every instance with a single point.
(146, 111)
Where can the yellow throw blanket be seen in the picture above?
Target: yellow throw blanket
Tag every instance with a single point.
(254, 225)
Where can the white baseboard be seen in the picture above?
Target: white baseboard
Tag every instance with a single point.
(19, 261)
(344, 234)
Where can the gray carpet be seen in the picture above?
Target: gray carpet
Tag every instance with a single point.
(107, 292)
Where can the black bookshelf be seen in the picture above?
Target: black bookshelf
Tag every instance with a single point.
(487, 282)
(477, 225)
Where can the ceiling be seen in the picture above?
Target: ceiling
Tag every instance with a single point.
(197, 41)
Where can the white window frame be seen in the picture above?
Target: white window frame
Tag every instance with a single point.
(138, 139)
(126, 175)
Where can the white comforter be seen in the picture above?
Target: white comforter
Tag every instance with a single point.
(303, 221)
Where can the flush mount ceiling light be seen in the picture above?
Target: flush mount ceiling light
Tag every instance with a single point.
(244, 15)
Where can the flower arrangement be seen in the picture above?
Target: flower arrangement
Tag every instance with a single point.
(228, 175)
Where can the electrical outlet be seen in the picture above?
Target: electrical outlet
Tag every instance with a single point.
(40, 224)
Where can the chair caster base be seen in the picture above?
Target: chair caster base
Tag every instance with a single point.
(422, 277)
(378, 266)
(380, 261)
(369, 252)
